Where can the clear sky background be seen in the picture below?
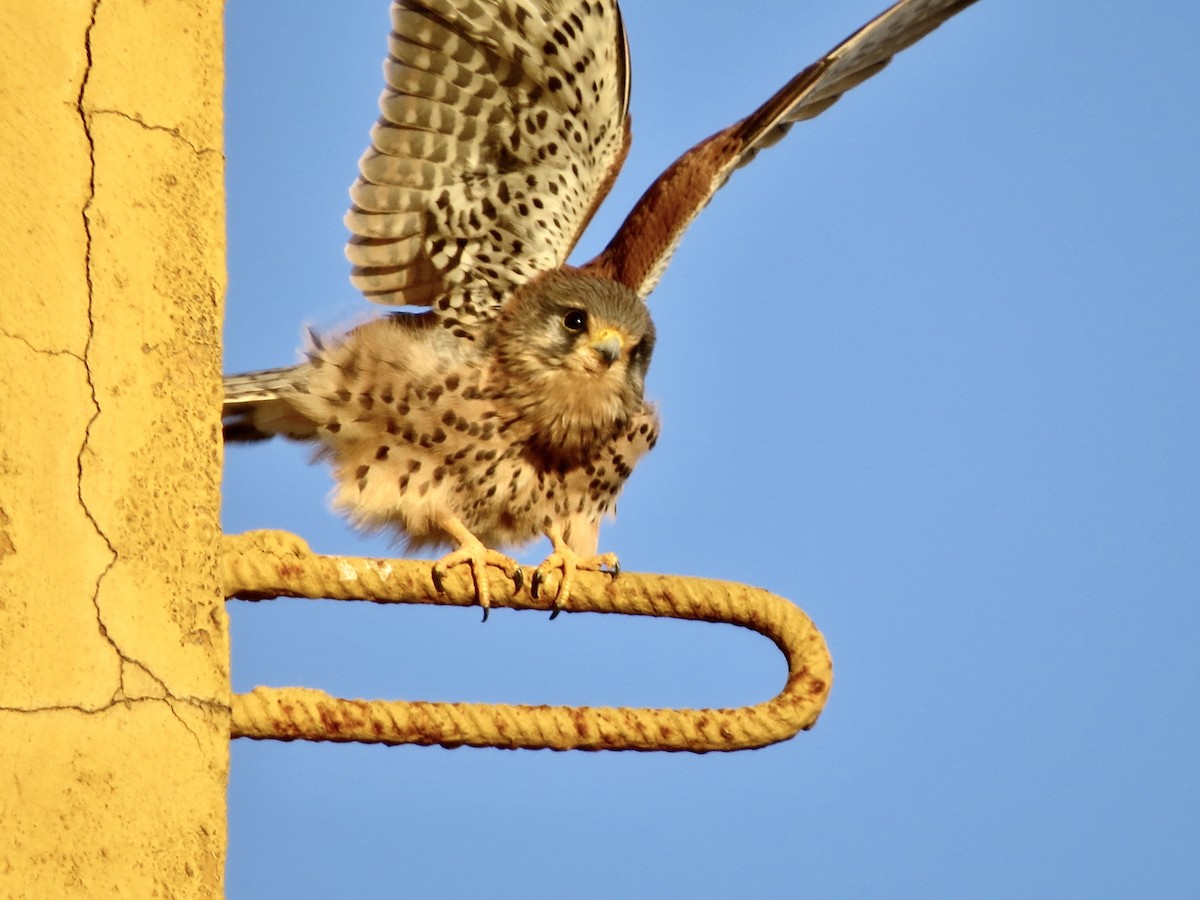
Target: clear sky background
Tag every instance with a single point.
(929, 368)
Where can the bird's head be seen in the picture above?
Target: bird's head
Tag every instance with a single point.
(572, 352)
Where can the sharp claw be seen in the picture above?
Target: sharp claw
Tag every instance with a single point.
(518, 578)
(569, 562)
(477, 558)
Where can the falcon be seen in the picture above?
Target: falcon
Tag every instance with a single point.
(513, 407)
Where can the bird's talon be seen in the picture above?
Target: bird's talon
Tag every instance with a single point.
(568, 563)
(518, 578)
(476, 558)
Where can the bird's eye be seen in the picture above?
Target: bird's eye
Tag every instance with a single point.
(575, 320)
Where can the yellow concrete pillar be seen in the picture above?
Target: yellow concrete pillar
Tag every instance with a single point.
(113, 642)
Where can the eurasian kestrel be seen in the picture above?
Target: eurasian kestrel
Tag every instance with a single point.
(514, 407)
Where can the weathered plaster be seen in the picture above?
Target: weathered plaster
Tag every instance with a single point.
(114, 680)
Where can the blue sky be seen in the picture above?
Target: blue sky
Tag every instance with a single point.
(929, 368)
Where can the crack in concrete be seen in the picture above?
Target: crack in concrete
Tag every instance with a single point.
(119, 695)
(41, 351)
(207, 706)
(196, 702)
(174, 132)
(91, 334)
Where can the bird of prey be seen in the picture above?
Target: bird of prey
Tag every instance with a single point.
(514, 406)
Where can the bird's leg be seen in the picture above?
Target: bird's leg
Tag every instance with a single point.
(472, 551)
(569, 562)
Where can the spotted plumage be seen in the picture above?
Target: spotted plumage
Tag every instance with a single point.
(503, 124)
(515, 406)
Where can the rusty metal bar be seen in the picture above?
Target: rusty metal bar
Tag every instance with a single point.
(266, 565)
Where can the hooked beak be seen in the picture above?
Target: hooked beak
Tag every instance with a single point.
(608, 344)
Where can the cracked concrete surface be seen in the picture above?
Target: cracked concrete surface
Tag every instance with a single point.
(114, 688)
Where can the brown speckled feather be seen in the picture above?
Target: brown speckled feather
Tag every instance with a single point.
(641, 249)
(503, 125)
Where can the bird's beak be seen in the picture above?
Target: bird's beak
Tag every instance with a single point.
(608, 344)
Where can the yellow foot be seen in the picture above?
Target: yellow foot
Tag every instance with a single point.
(569, 562)
(474, 554)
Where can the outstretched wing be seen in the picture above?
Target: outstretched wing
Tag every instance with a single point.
(639, 252)
(504, 123)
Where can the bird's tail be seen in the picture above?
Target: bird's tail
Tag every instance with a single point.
(258, 405)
